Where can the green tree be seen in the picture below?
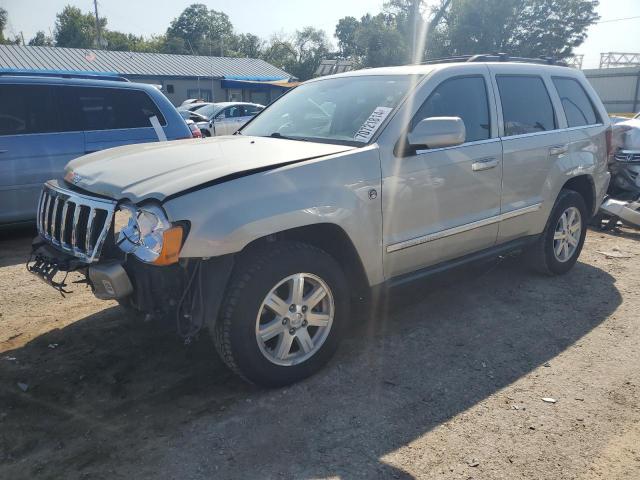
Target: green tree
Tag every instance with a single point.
(76, 29)
(347, 35)
(123, 42)
(279, 51)
(408, 31)
(311, 45)
(40, 40)
(247, 45)
(374, 41)
(199, 30)
(528, 28)
(4, 17)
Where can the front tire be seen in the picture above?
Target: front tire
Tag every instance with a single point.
(558, 248)
(283, 315)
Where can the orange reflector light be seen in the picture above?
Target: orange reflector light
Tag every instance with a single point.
(171, 245)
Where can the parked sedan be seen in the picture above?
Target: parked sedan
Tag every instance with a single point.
(192, 107)
(227, 117)
(193, 116)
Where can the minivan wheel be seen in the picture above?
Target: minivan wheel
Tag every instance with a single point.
(559, 246)
(283, 314)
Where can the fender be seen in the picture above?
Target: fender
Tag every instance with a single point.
(225, 217)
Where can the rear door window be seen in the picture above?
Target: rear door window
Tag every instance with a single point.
(233, 112)
(26, 109)
(111, 108)
(252, 109)
(526, 105)
(577, 106)
(464, 97)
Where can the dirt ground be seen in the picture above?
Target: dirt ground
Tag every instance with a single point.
(446, 381)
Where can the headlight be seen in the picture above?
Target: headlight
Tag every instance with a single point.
(146, 233)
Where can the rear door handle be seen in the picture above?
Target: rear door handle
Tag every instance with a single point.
(4, 151)
(485, 164)
(558, 150)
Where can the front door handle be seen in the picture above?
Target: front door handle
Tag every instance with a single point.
(558, 150)
(4, 151)
(485, 164)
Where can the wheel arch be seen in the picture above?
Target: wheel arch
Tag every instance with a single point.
(330, 238)
(585, 186)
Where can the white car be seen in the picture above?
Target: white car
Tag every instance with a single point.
(226, 118)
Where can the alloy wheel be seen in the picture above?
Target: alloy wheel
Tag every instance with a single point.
(567, 234)
(295, 319)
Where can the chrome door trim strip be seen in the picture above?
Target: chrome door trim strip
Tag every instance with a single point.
(413, 242)
(462, 145)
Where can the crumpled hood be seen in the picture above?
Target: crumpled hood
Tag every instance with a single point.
(159, 170)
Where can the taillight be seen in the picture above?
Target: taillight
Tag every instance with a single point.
(609, 137)
(195, 131)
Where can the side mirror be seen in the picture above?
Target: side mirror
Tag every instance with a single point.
(437, 132)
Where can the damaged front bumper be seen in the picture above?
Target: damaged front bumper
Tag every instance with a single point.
(108, 280)
(191, 289)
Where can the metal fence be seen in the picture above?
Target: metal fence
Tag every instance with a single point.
(618, 88)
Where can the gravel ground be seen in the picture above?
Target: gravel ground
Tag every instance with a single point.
(446, 381)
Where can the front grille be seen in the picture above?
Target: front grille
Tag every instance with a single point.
(628, 156)
(75, 223)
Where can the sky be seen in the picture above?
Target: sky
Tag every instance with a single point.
(264, 17)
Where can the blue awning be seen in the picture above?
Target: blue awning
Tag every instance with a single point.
(253, 84)
(256, 78)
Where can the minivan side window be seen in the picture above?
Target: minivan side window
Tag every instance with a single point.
(27, 109)
(577, 106)
(111, 108)
(464, 97)
(526, 105)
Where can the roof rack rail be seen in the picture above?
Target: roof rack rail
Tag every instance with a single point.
(495, 57)
(114, 77)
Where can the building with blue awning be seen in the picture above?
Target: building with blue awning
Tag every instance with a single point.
(217, 79)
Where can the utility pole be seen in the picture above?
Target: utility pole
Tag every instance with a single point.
(95, 6)
(22, 35)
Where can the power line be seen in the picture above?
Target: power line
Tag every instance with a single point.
(618, 19)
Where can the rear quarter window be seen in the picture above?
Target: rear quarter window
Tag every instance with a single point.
(526, 105)
(576, 104)
(111, 108)
(26, 109)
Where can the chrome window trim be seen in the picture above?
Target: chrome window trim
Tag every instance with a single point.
(548, 132)
(413, 242)
(469, 144)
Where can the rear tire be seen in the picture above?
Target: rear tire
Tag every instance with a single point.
(268, 334)
(558, 248)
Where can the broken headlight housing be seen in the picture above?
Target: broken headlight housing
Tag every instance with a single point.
(146, 233)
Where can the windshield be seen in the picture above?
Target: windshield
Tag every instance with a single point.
(208, 111)
(345, 110)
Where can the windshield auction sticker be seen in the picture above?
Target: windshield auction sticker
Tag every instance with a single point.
(371, 125)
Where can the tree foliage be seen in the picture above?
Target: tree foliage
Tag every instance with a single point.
(200, 31)
(527, 28)
(76, 29)
(4, 18)
(40, 40)
(373, 41)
